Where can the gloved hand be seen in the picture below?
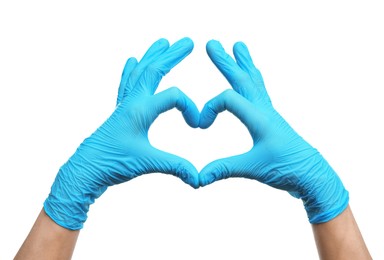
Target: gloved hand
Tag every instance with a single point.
(279, 156)
(119, 149)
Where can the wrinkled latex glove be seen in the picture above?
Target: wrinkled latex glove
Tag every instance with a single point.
(119, 150)
(279, 156)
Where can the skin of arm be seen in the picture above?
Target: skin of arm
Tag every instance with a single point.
(340, 238)
(47, 240)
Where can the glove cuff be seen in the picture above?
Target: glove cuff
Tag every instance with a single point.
(327, 197)
(68, 204)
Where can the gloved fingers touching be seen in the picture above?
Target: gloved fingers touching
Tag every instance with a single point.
(175, 98)
(155, 70)
(128, 68)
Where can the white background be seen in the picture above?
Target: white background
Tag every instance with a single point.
(60, 67)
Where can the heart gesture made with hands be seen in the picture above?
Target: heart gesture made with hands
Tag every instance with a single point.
(119, 150)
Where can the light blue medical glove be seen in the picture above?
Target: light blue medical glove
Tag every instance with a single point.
(119, 149)
(279, 156)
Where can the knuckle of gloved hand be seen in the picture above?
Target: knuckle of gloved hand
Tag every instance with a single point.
(178, 96)
(228, 94)
(175, 92)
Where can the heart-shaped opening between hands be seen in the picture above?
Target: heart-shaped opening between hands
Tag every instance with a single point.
(226, 137)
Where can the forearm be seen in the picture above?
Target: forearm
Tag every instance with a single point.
(340, 238)
(47, 240)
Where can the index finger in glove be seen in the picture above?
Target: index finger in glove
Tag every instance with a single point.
(175, 98)
(234, 103)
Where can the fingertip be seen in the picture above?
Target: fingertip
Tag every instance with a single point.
(206, 121)
(188, 42)
(194, 121)
(241, 52)
(129, 66)
(210, 173)
(162, 42)
(213, 42)
(207, 116)
(185, 45)
(205, 179)
(191, 114)
(202, 125)
(210, 111)
(131, 60)
(188, 174)
(195, 184)
(202, 182)
(240, 45)
(213, 45)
